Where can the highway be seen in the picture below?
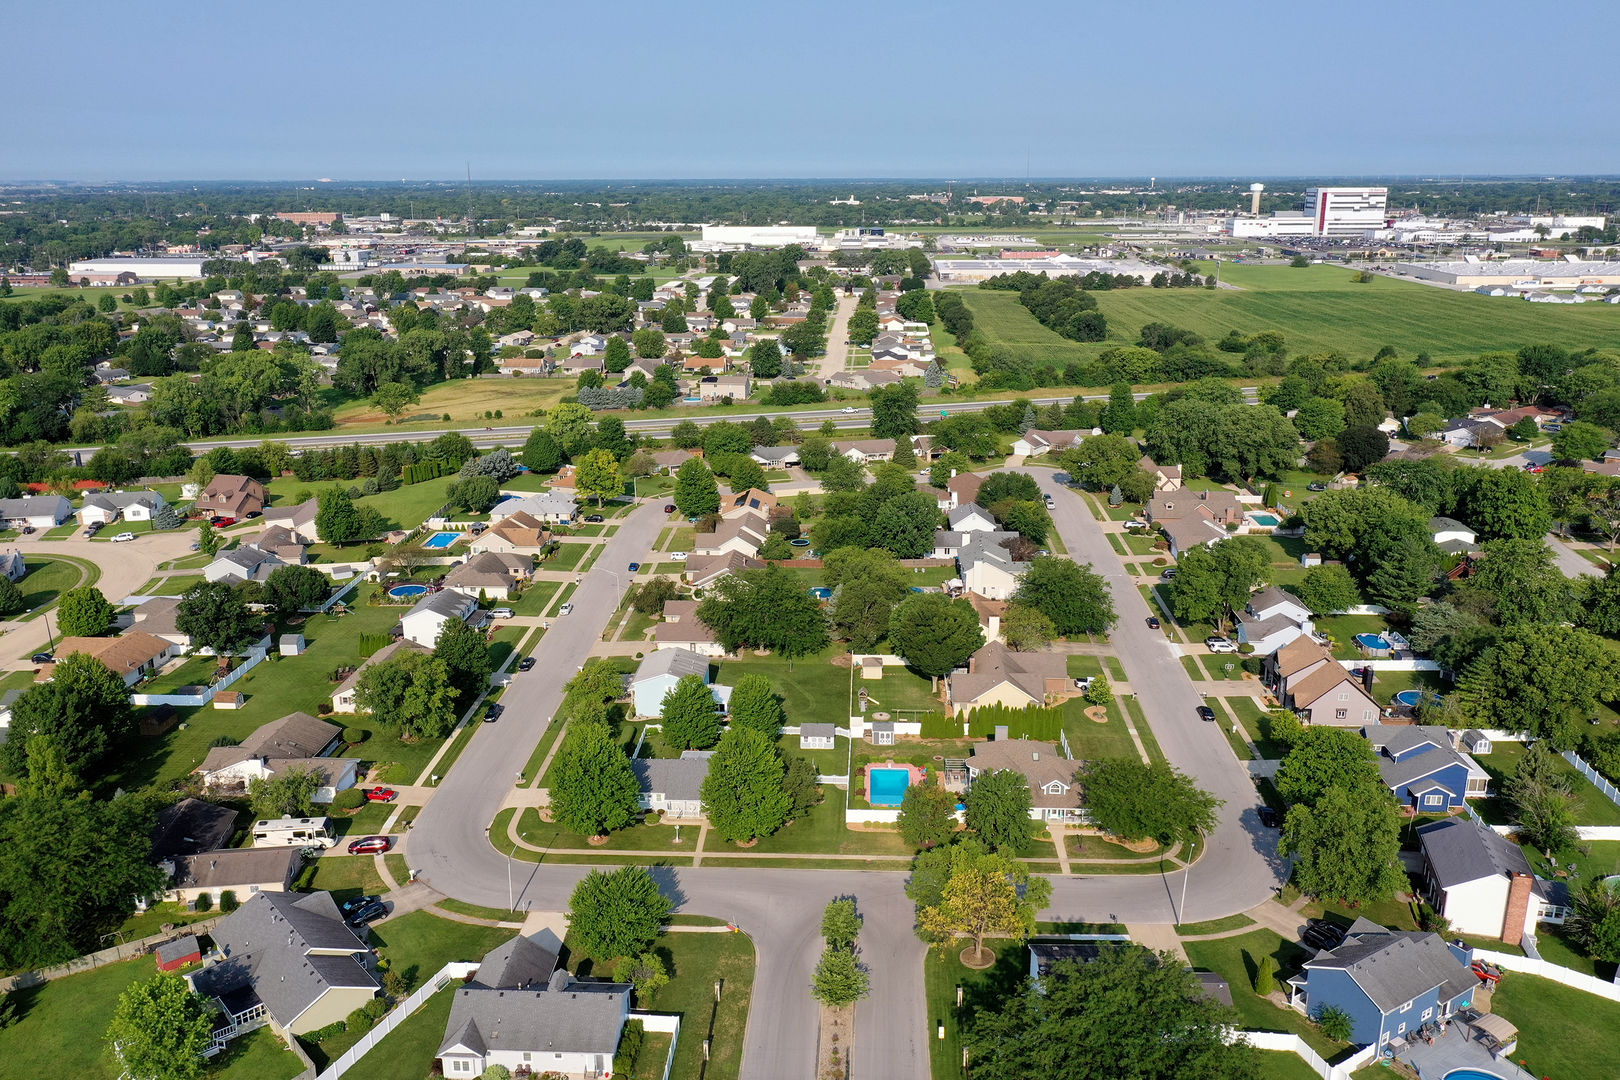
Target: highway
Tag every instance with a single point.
(780, 908)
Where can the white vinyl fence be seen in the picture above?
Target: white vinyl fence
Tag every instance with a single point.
(185, 700)
(401, 1012)
(1293, 1044)
(1610, 792)
(1580, 980)
(670, 1023)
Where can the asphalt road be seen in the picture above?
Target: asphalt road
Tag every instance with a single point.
(780, 909)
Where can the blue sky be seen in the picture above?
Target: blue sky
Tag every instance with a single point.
(410, 90)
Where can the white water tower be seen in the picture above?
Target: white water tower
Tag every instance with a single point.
(1254, 198)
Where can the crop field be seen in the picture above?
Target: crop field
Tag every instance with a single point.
(1318, 309)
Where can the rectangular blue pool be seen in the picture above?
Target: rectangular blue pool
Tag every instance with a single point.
(888, 786)
(441, 540)
(1266, 520)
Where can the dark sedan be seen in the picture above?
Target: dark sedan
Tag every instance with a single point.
(357, 903)
(1268, 817)
(526, 664)
(374, 910)
(1206, 713)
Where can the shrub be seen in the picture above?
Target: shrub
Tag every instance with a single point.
(1252, 664)
(351, 799)
(354, 736)
(327, 1032)
(1245, 649)
(1032, 722)
(227, 901)
(630, 1043)
(205, 902)
(939, 726)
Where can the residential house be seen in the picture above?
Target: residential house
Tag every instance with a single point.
(590, 345)
(742, 534)
(240, 564)
(283, 543)
(701, 570)
(13, 564)
(1035, 442)
(158, 617)
(673, 459)
(110, 506)
(287, 959)
(989, 568)
(1452, 536)
(661, 670)
(714, 387)
(1272, 619)
(133, 656)
(1469, 431)
(1423, 769)
(343, 698)
(1165, 477)
(1192, 519)
(1054, 789)
(191, 827)
(970, 517)
(243, 871)
(298, 519)
(524, 1014)
(775, 457)
(130, 393)
(35, 512)
(552, 507)
(682, 630)
(862, 451)
(523, 365)
(990, 613)
(948, 543)
(574, 366)
(491, 575)
(817, 737)
(297, 739)
(960, 489)
(231, 496)
(673, 785)
(1390, 982)
(428, 615)
(751, 501)
(1308, 680)
(515, 534)
(864, 379)
(520, 339)
(897, 361)
(1482, 883)
(996, 675)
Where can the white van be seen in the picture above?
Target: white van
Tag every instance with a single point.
(293, 832)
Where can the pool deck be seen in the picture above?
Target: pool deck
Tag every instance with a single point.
(1455, 1050)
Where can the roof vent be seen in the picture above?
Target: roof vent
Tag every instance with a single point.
(1036, 755)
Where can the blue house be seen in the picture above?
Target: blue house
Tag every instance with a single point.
(1424, 770)
(1390, 982)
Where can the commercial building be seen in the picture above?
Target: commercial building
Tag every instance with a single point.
(1329, 211)
(967, 271)
(1516, 274)
(190, 266)
(716, 237)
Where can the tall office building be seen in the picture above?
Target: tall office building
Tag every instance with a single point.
(1343, 211)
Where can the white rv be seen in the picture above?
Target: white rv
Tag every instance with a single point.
(293, 832)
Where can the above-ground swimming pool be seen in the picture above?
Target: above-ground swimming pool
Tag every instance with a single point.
(441, 540)
(821, 592)
(1267, 520)
(400, 592)
(887, 786)
(1372, 641)
(1409, 697)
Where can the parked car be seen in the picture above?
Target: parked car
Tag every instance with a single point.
(502, 613)
(669, 508)
(567, 609)
(43, 658)
(1268, 817)
(1169, 575)
(1206, 714)
(91, 531)
(1051, 503)
(1153, 622)
(526, 664)
(679, 556)
(374, 910)
(123, 536)
(634, 567)
(27, 530)
(381, 794)
(370, 845)
(594, 519)
(251, 514)
(493, 712)
(1220, 644)
(222, 522)
(357, 903)
(195, 546)
(1321, 934)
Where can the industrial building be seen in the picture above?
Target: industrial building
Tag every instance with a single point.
(967, 271)
(1520, 274)
(1330, 211)
(188, 266)
(734, 237)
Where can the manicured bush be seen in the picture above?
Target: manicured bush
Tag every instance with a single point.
(354, 736)
(205, 902)
(227, 901)
(351, 799)
(939, 726)
(1032, 722)
(1252, 664)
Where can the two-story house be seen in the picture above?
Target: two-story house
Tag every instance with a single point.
(1272, 619)
(962, 523)
(1054, 789)
(1423, 770)
(231, 496)
(742, 534)
(1482, 883)
(988, 567)
(1316, 687)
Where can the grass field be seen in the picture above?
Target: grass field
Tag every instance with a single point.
(1563, 1032)
(403, 508)
(48, 579)
(1237, 959)
(1318, 309)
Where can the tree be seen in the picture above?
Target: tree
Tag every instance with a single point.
(1102, 461)
(765, 359)
(1324, 758)
(1336, 1024)
(1546, 684)
(1525, 582)
(863, 325)
(1361, 446)
(1523, 430)
(466, 658)
(1502, 503)
(84, 710)
(1539, 794)
(998, 807)
(1098, 692)
(984, 892)
(70, 872)
(207, 538)
(839, 980)
(1265, 982)
(650, 343)
(1405, 573)
(83, 612)
(927, 814)
(1211, 581)
(593, 788)
(743, 796)
(754, 704)
(542, 453)
(165, 518)
(1327, 589)
(1580, 441)
(476, 494)
(1025, 629)
(696, 492)
(1137, 801)
(289, 793)
(215, 616)
(1595, 922)
(1069, 593)
(160, 1030)
(934, 633)
(616, 355)
(867, 583)
(409, 693)
(296, 588)
(616, 913)
(1110, 1019)
(905, 525)
(394, 397)
(691, 716)
(1345, 845)
(597, 473)
(894, 411)
(765, 608)
(1119, 418)
(1320, 418)
(746, 473)
(840, 924)
(340, 521)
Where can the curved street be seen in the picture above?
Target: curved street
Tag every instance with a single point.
(780, 908)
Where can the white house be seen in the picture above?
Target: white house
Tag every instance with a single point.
(1483, 883)
(343, 698)
(1034, 442)
(673, 786)
(989, 569)
(110, 506)
(35, 511)
(1272, 619)
(242, 564)
(1452, 536)
(427, 617)
(860, 451)
(547, 506)
(659, 673)
(494, 575)
(295, 739)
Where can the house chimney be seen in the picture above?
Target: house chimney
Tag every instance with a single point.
(1518, 908)
(1001, 733)
(1367, 679)
(1036, 755)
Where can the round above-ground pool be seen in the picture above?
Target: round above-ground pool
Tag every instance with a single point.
(1409, 698)
(821, 592)
(887, 786)
(1372, 641)
(441, 540)
(402, 592)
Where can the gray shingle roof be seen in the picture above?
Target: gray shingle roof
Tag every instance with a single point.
(190, 827)
(446, 603)
(35, 506)
(676, 662)
(516, 964)
(499, 1010)
(294, 736)
(170, 951)
(1394, 966)
(1461, 850)
(679, 779)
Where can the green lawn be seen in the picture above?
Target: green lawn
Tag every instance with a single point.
(346, 876)
(821, 832)
(943, 973)
(424, 942)
(1563, 1032)
(1344, 628)
(1089, 740)
(403, 508)
(1237, 959)
(536, 598)
(816, 690)
(1084, 667)
(1217, 666)
(567, 557)
(1590, 805)
(47, 579)
(409, 1050)
(1258, 726)
(1214, 926)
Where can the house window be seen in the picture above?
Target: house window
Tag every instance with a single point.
(1402, 1029)
(1341, 714)
(1406, 1009)
(1433, 800)
(1366, 714)
(526, 1055)
(1428, 1013)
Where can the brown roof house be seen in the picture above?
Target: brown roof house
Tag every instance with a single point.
(1307, 679)
(1053, 788)
(752, 500)
(1165, 477)
(134, 655)
(492, 575)
(297, 739)
(998, 676)
(283, 543)
(517, 534)
(298, 519)
(1193, 518)
(231, 496)
(960, 489)
(860, 451)
(700, 570)
(682, 629)
(742, 534)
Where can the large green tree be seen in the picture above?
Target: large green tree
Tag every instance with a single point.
(765, 608)
(998, 807)
(1137, 801)
(1547, 684)
(691, 716)
(160, 1029)
(755, 704)
(216, 616)
(614, 913)
(83, 612)
(593, 788)
(867, 584)
(1327, 757)
(1346, 846)
(296, 588)
(976, 893)
(84, 711)
(934, 633)
(1328, 588)
(1502, 503)
(743, 796)
(340, 521)
(905, 525)
(1213, 581)
(1110, 1018)
(696, 492)
(1070, 594)
(466, 658)
(1523, 579)
(541, 452)
(927, 815)
(894, 411)
(409, 694)
(289, 793)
